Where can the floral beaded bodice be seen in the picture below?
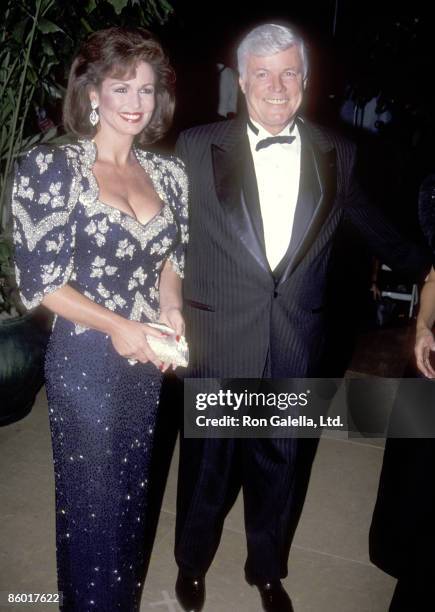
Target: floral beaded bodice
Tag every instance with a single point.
(64, 233)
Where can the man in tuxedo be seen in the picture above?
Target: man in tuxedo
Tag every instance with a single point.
(267, 194)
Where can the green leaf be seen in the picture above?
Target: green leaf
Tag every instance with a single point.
(64, 139)
(86, 26)
(91, 6)
(46, 69)
(47, 46)
(49, 135)
(53, 90)
(30, 141)
(167, 6)
(10, 94)
(118, 5)
(32, 76)
(5, 251)
(162, 5)
(18, 31)
(46, 6)
(47, 27)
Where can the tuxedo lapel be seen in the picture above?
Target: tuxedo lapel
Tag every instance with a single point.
(317, 187)
(236, 188)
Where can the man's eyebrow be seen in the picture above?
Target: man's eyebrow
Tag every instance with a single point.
(293, 68)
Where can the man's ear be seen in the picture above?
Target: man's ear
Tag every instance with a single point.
(305, 83)
(242, 84)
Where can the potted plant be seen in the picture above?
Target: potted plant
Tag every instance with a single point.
(22, 338)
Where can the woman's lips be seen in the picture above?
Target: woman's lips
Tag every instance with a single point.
(131, 117)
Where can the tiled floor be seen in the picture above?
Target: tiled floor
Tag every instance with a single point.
(329, 566)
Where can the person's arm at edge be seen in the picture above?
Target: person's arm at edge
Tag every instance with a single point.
(425, 342)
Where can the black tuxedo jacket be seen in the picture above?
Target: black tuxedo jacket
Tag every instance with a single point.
(242, 318)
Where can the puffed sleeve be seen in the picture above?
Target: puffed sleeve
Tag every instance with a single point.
(180, 208)
(44, 232)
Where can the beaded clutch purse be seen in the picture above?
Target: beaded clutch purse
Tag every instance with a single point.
(167, 348)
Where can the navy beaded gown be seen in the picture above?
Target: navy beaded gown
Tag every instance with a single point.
(102, 406)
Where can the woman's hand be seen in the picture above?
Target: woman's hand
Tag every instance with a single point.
(171, 301)
(173, 318)
(129, 341)
(424, 344)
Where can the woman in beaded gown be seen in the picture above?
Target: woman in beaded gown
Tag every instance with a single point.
(100, 228)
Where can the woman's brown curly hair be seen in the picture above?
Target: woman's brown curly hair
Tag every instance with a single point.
(115, 52)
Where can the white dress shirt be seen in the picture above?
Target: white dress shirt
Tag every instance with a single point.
(277, 168)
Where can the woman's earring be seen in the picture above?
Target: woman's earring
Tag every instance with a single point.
(93, 117)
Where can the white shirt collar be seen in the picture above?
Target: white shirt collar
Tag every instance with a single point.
(260, 132)
(254, 138)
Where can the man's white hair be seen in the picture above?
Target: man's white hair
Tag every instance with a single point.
(269, 39)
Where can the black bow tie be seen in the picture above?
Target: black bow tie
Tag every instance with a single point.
(266, 142)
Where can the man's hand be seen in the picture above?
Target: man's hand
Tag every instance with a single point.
(424, 344)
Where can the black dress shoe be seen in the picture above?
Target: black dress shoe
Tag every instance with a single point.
(190, 592)
(274, 597)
